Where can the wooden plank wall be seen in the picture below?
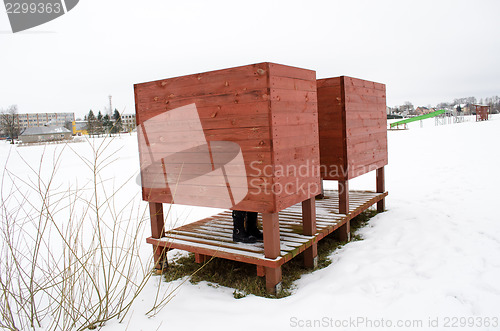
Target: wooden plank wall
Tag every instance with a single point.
(295, 136)
(331, 118)
(482, 113)
(352, 127)
(252, 106)
(366, 126)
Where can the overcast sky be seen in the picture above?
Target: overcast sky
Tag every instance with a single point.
(424, 51)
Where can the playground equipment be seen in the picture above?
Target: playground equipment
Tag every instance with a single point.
(449, 117)
(247, 138)
(403, 123)
(441, 117)
(482, 112)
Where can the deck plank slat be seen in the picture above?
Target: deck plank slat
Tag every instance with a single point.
(212, 236)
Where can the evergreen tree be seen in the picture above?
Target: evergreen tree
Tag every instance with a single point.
(107, 124)
(117, 127)
(91, 123)
(99, 124)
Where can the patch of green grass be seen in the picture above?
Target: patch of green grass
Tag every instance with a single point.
(361, 221)
(243, 277)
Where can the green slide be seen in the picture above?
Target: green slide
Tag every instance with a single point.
(418, 118)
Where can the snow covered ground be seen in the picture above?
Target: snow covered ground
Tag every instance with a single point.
(431, 262)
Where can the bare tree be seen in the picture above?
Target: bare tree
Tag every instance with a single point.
(408, 107)
(9, 123)
(444, 105)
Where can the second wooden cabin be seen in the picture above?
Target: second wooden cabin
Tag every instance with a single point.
(352, 132)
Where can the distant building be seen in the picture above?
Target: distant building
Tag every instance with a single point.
(128, 122)
(43, 119)
(465, 109)
(79, 128)
(424, 110)
(45, 133)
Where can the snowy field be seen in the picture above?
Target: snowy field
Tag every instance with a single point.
(431, 262)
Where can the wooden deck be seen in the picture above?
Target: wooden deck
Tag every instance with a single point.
(212, 236)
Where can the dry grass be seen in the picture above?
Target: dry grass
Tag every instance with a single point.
(243, 278)
(69, 257)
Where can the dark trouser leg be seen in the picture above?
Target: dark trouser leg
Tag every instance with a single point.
(239, 232)
(252, 228)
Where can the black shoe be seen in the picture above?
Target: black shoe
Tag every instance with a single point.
(252, 228)
(243, 238)
(239, 233)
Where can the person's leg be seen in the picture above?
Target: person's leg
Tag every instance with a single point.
(252, 228)
(239, 232)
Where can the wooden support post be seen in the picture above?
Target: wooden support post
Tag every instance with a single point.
(344, 232)
(344, 197)
(261, 271)
(271, 229)
(158, 231)
(309, 229)
(322, 194)
(201, 258)
(381, 188)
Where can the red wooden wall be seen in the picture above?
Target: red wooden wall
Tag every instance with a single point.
(482, 112)
(268, 110)
(352, 127)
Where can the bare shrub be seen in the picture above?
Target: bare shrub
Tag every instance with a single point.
(70, 254)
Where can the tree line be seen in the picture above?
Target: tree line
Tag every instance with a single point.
(95, 125)
(410, 109)
(8, 123)
(98, 125)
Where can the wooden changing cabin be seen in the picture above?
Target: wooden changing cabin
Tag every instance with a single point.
(353, 135)
(247, 138)
(233, 139)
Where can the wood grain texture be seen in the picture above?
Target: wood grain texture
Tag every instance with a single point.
(269, 110)
(352, 126)
(331, 126)
(212, 236)
(381, 188)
